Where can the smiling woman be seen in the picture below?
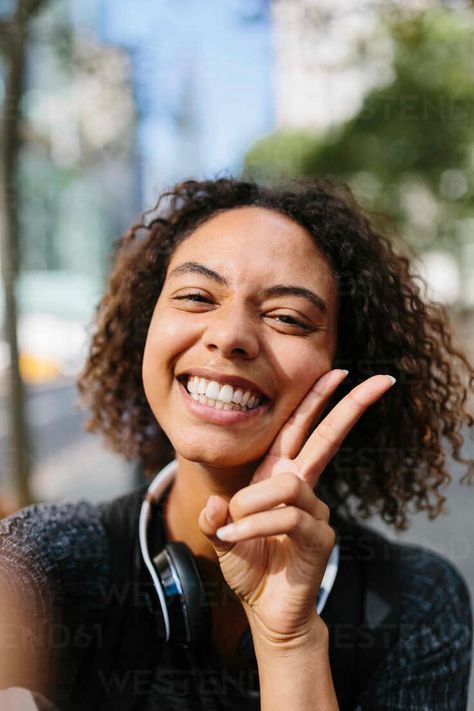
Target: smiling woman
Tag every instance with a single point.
(244, 352)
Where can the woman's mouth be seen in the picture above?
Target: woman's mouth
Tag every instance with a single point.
(221, 402)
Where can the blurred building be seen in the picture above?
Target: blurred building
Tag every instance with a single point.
(317, 81)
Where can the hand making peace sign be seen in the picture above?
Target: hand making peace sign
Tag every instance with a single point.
(274, 553)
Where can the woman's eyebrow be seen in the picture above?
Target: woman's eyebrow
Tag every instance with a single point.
(197, 268)
(275, 290)
(291, 290)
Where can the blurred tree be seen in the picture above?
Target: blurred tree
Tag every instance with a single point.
(13, 43)
(409, 152)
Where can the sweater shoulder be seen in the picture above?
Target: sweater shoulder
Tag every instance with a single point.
(426, 579)
(431, 589)
(434, 586)
(58, 548)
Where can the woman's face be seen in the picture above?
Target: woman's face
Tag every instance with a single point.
(220, 316)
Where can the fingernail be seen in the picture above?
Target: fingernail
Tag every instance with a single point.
(226, 533)
(344, 371)
(209, 514)
(210, 510)
(391, 378)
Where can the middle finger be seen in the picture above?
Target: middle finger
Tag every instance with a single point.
(330, 433)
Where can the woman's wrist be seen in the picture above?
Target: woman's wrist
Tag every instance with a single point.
(312, 635)
(295, 672)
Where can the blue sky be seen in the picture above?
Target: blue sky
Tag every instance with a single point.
(203, 82)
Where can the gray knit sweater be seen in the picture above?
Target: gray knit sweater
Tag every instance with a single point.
(54, 557)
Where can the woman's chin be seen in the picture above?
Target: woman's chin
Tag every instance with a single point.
(215, 456)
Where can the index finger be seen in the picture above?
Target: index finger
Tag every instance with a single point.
(290, 439)
(328, 436)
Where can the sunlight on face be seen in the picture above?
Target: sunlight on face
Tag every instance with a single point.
(229, 318)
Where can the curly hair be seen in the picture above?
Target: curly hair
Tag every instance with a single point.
(395, 453)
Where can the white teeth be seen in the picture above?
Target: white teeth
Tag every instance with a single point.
(225, 393)
(218, 404)
(245, 398)
(210, 392)
(237, 397)
(213, 389)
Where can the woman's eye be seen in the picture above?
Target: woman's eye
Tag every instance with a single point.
(293, 321)
(192, 297)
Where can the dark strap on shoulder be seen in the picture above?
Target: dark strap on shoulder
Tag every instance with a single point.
(382, 582)
(362, 610)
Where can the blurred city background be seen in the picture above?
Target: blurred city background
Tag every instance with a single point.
(107, 102)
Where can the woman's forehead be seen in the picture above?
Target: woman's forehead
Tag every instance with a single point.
(253, 238)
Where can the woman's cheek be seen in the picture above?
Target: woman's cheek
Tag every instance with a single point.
(309, 362)
(167, 340)
(303, 379)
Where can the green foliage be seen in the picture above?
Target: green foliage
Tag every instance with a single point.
(409, 152)
(280, 153)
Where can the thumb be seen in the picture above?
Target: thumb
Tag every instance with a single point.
(214, 515)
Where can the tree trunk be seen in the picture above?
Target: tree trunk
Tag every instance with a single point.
(18, 459)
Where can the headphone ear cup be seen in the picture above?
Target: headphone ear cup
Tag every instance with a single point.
(189, 613)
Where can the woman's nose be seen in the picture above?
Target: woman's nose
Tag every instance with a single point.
(232, 332)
